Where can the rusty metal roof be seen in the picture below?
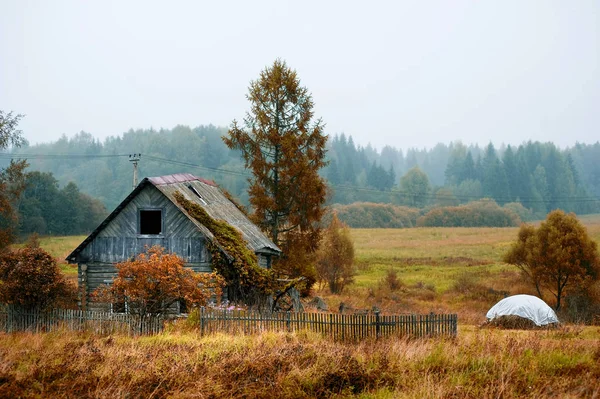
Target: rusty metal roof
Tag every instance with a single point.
(204, 193)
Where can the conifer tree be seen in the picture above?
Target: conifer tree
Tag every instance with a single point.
(284, 150)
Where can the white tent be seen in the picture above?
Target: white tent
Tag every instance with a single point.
(526, 306)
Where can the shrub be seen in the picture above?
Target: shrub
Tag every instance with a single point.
(31, 279)
(482, 213)
(392, 281)
(335, 258)
(523, 213)
(155, 281)
(371, 215)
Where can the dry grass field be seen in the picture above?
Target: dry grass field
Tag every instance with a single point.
(480, 363)
(440, 270)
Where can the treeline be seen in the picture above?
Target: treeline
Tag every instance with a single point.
(538, 175)
(44, 208)
(103, 170)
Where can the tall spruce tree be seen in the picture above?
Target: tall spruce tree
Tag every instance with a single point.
(284, 150)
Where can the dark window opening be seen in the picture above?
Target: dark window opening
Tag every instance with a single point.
(183, 306)
(119, 307)
(151, 221)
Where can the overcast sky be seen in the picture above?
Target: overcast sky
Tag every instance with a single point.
(404, 73)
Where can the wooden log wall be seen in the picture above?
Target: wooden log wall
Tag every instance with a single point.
(120, 241)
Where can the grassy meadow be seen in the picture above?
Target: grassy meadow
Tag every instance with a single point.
(437, 269)
(458, 270)
(59, 248)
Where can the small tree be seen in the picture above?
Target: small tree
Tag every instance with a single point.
(155, 281)
(335, 264)
(31, 279)
(557, 256)
(416, 188)
(12, 181)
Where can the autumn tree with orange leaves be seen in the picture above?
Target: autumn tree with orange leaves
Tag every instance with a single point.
(284, 150)
(31, 280)
(556, 257)
(154, 281)
(335, 260)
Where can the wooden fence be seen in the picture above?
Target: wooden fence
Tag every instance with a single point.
(104, 323)
(343, 327)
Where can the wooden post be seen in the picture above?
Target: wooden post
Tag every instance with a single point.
(202, 320)
(454, 324)
(377, 326)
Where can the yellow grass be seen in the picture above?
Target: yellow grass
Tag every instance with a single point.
(484, 363)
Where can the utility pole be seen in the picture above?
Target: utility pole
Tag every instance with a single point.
(134, 159)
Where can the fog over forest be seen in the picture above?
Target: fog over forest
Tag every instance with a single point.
(539, 176)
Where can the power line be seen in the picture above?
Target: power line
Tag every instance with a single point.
(57, 156)
(189, 164)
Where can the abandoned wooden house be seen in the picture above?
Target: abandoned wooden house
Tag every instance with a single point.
(150, 216)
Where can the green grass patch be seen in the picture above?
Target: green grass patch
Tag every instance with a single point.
(442, 278)
(60, 248)
(387, 244)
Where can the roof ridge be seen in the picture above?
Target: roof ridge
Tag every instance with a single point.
(178, 178)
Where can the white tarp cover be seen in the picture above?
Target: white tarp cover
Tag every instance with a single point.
(527, 306)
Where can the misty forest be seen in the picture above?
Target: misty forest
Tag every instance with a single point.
(74, 182)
